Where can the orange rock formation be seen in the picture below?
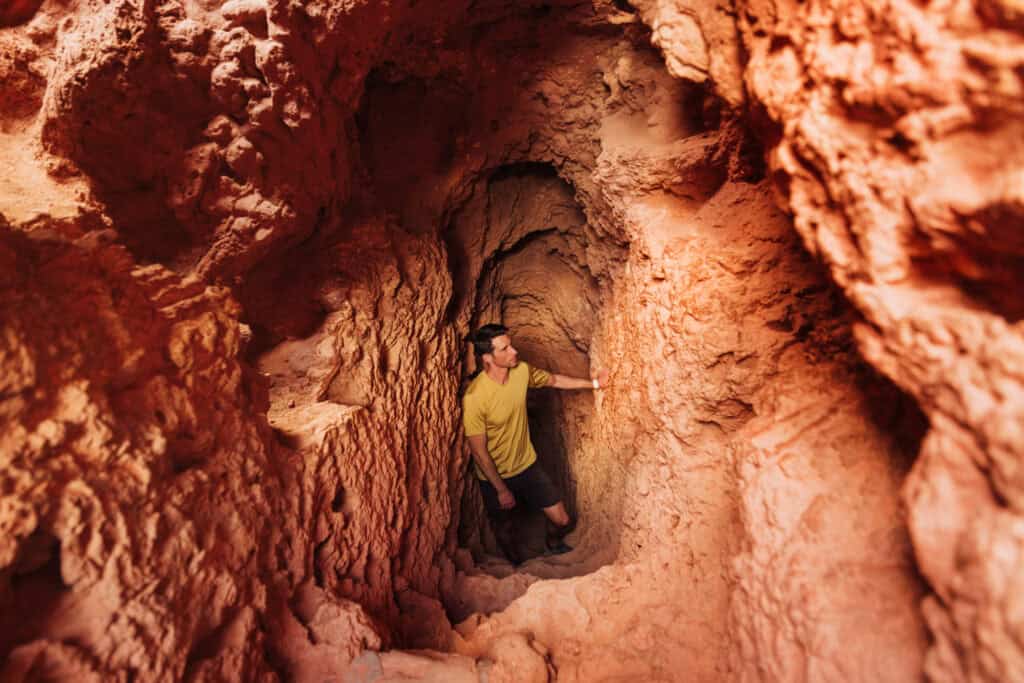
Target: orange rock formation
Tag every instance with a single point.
(240, 244)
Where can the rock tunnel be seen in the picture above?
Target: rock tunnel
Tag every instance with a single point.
(241, 245)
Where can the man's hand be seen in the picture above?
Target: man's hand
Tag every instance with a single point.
(506, 499)
(565, 382)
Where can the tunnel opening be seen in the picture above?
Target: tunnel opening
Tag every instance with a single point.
(662, 209)
(536, 282)
(456, 149)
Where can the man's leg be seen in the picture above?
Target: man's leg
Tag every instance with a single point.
(534, 487)
(557, 528)
(557, 515)
(501, 522)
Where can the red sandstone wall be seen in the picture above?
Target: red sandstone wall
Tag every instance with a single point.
(137, 484)
(229, 332)
(900, 158)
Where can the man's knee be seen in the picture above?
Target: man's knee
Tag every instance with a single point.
(557, 514)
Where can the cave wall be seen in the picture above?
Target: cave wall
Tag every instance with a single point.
(241, 242)
(164, 138)
(900, 159)
(136, 483)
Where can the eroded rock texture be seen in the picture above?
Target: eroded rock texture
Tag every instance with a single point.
(130, 448)
(901, 160)
(240, 244)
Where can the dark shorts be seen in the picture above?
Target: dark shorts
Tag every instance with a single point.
(531, 487)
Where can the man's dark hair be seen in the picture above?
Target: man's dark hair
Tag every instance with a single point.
(483, 342)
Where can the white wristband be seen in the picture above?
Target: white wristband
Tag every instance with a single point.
(597, 385)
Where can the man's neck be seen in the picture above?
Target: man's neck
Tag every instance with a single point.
(499, 375)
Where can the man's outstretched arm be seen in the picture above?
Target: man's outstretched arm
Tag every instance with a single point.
(566, 382)
(478, 447)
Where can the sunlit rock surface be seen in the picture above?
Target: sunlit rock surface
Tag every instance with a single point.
(240, 244)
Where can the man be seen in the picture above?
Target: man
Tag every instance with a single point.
(494, 418)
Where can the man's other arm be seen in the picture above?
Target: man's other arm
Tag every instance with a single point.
(478, 447)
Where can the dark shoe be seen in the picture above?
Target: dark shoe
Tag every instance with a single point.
(559, 548)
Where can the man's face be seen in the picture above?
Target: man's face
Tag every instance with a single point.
(504, 354)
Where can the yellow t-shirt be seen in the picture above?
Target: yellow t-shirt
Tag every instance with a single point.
(499, 411)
